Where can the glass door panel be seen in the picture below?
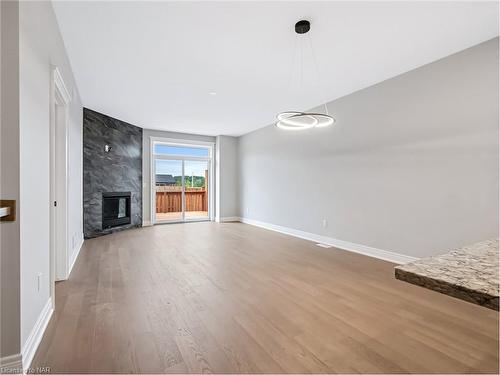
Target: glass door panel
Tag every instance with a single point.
(168, 190)
(196, 196)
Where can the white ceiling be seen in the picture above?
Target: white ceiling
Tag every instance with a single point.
(154, 64)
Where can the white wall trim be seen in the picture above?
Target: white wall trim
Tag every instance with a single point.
(60, 98)
(217, 165)
(229, 219)
(31, 344)
(63, 91)
(340, 244)
(12, 364)
(74, 257)
(146, 223)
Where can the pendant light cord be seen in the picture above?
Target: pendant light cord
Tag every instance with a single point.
(317, 72)
(292, 70)
(301, 65)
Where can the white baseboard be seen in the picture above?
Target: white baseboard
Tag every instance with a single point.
(229, 219)
(31, 344)
(72, 261)
(340, 244)
(12, 364)
(146, 223)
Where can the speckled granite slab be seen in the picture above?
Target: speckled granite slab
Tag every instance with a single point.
(469, 273)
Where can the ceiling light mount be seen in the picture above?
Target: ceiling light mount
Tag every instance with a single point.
(302, 27)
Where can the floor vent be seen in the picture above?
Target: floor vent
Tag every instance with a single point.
(324, 245)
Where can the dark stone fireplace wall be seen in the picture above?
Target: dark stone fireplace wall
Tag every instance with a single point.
(119, 170)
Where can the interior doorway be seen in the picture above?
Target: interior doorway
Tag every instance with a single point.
(181, 181)
(59, 258)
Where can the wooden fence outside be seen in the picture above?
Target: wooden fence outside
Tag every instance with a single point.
(169, 199)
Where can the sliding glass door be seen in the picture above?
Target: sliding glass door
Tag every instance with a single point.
(182, 182)
(168, 186)
(196, 189)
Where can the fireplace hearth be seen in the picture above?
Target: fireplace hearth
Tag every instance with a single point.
(115, 209)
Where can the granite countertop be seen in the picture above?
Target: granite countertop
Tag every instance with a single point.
(470, 273)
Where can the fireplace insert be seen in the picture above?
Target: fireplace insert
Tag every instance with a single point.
(115, 209)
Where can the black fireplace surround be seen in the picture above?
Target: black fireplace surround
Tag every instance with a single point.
(115, 209)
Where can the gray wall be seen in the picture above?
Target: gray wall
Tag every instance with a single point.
(227, 154)
(411, 165)
(10, 287)
(146, 162)
(119, 170)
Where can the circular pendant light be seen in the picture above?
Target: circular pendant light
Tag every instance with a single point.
(303, 120)
(294, 120)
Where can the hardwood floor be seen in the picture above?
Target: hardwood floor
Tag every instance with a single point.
(232, 298)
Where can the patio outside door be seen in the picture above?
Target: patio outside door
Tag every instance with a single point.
(196, 192)
(182, 180)
(169, 192)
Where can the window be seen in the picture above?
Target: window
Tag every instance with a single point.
(182, 180)
(164, 149)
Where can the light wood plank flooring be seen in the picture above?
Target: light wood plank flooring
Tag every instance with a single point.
(232, 298)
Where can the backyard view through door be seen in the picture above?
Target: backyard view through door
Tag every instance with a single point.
(196, 189)
(168, 190)
(181, 183)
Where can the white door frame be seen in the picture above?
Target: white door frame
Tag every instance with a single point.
(185, 143)
(59, 257)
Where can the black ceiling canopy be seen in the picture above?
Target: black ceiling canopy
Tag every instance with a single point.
(302, 27)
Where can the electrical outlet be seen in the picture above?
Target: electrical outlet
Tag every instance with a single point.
(324, 223)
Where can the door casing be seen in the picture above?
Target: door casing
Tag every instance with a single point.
(59, 239)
